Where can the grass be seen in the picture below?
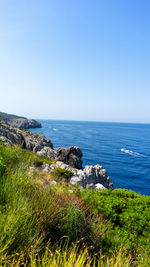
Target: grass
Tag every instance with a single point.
(104, 228)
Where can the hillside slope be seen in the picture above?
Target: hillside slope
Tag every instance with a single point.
(41, 214)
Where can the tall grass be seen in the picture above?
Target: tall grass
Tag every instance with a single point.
(35, 216)
(64, 256)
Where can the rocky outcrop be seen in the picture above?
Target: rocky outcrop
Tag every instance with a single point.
(70, 155)
(11, 135)
(92, 177)
(35, 142)
(18, 121)
(47, 151)
(25, 139)
(22, 123)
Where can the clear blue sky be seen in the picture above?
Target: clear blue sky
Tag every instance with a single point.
(76, 59)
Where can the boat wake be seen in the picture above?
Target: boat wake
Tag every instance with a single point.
(131, 152)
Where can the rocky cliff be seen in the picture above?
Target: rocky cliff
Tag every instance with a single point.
(18, 122)
(70, 158)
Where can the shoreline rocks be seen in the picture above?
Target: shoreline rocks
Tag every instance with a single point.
(22, 123)
(24, 138)
(69, 158)
(18, 121)
(70, 155)
(92, 177)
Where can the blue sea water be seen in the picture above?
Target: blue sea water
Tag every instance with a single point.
(102, 142)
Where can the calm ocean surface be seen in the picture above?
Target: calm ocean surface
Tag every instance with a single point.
(102, 142)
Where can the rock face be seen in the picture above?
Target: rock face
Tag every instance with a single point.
(11, 135)
(22, 123)
(26, 139)
(70, 155)
(18, 121)
(47, 151)
(91, 177)
(35, 142)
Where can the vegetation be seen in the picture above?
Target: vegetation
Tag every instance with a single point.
(9, 116)
(62, 173)
(46, 225)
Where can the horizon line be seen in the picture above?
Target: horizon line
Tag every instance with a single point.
(93, 121)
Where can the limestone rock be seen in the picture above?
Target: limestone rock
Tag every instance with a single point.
(76, 179)
(12, 134)
(26, 139)
(92, 177)
(60, 164)
(18, 121)
(47, 151)
(23, 123)
(35, 142)
(97, 174)
(70, 155)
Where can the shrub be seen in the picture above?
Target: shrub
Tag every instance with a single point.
(72, 222)
(127, 215)
(62, 173)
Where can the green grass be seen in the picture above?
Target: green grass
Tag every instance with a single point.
(62, 173)
(105, 228)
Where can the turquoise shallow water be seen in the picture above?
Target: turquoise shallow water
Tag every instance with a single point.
(102, 142)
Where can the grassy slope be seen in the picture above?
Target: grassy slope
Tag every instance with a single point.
(39, 222)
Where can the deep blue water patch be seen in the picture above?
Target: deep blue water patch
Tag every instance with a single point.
(102, 142)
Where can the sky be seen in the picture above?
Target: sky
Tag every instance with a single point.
(75, 59)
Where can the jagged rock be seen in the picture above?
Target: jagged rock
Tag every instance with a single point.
(12, 134)
(92, 177)
(35, 142)
(60, 164)
(76, 179)
(18, 121)
(26, 139)
(46, 151)
(97, 174)
(22, 123)
(70, 155)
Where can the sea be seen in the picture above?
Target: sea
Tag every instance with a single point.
(123, 149)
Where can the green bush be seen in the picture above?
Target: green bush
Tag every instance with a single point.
(72, 222)
(127, 215)
(62, 173)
